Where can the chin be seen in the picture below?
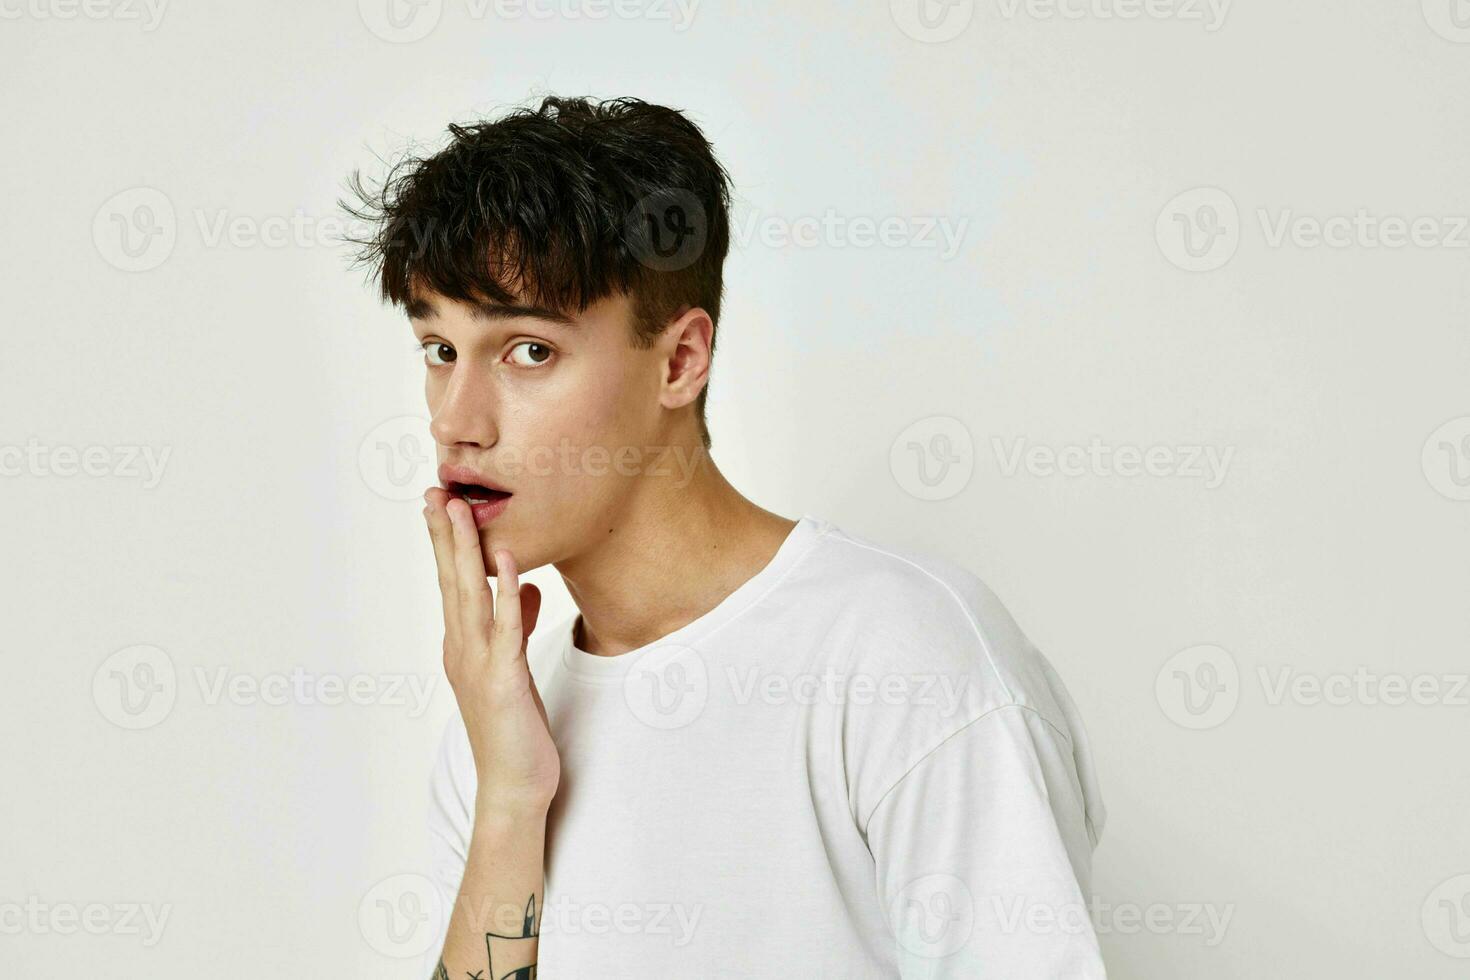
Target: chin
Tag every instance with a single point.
(528, 555)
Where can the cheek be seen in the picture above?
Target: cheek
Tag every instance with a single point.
(569, 428)
(597, 404)
(547, 429)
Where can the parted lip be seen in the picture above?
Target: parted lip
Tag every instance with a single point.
(451, 476)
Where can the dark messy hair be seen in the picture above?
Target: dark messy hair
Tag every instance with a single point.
(557, 206)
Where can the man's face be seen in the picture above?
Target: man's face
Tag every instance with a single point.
(548, 409)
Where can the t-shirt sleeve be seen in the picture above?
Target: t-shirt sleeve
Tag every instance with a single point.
(983, 855)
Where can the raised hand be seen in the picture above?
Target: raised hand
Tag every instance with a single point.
(485, 660)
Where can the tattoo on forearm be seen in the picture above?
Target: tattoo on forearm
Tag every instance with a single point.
(514, 954)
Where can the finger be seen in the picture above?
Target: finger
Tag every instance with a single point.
(441, 534)
(530, 610)
(506, 635)
(472, 590)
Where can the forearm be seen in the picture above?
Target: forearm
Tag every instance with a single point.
(497, 917)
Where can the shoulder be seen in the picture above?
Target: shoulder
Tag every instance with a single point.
(927, 650)
(903, 612)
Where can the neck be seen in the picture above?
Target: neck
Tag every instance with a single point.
(673, 555)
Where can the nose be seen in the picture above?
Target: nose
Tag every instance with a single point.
(466, 412)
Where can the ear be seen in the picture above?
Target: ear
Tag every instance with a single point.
(689, 342)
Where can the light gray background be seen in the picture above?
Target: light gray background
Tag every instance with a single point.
(1333, 835)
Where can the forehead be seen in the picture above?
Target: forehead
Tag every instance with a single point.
(427, 306)
(608, 320)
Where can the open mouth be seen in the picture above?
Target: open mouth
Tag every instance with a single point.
(474, 493)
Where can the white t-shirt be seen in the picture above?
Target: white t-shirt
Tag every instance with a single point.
(855, 766)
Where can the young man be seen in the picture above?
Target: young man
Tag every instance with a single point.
(764, 747)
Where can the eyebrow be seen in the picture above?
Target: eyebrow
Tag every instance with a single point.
(421, 308)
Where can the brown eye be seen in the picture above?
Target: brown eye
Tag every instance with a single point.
(436, 353)
(530, 354)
